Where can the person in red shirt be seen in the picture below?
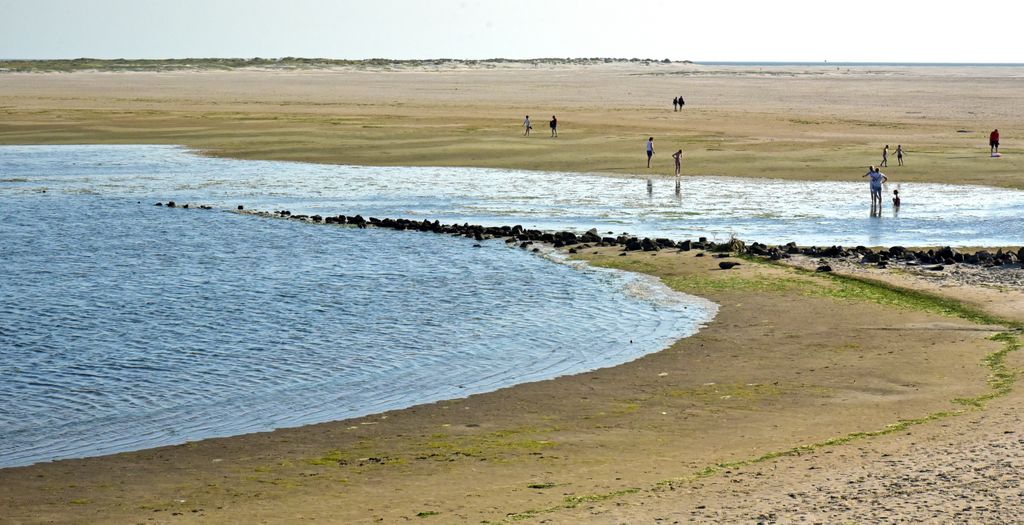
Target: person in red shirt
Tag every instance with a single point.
(993, 142)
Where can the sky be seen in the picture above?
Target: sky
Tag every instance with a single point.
(705, 30)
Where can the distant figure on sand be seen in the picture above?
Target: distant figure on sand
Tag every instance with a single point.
(877, 178)
(650, 150)
(681, 102)
(895, 198)
(885, 157)
(675, 104)
(527, 125)
(678, 156)
(554, 126)
(899, 154)
(993, 142)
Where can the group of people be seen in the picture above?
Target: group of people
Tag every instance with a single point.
(876, 179)
(885, 156)
(677, 156)
(678, 103)
(528, 126)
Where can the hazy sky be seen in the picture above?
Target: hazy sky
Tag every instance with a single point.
(703, 30)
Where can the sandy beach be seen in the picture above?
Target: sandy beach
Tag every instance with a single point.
(812, 397)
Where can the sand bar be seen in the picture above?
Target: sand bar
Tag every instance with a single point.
(793, 359)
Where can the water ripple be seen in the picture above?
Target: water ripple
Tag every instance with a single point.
(124, 325)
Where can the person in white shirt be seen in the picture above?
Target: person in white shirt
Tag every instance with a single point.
(527, 125)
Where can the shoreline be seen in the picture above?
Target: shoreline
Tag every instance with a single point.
(738, 123)
(793, 357)
(531, 436)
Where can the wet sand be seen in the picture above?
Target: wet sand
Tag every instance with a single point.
(819, 123)
(793, 359)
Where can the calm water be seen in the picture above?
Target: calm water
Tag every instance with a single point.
(772, 211)
(125, 326)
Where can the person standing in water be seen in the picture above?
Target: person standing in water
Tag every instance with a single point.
(528, 126)
(895, 198)
(899, 154)
(650, 150)
(885, 157)
(877, 179)
(554, 126)
(993, 142)
(678, 156)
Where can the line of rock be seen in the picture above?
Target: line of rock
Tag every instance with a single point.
(559, 239)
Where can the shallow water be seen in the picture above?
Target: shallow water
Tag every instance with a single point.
(126, 326)
(771, 211)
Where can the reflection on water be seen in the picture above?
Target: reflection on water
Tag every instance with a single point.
(126, 326)
(772, 211)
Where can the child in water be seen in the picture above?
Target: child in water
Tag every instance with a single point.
(895, 198)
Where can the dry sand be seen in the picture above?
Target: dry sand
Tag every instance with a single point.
(818, 123)
(793, 359)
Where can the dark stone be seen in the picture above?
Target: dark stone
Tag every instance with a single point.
(240, 207)
(633, 244)
(591, 236)
(824, 268)
(946, 253)
(170, 204)
(684, 246)
(721, 255)
(665, 243)
(159, 204)
(478, 245)
(727, 265)
(648, 245)
(701, 254)
(936, 268)
(184, 206)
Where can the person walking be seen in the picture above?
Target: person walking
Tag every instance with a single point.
(681, 102)
(993, 142)
(678, 156)
(528, 126)
(899, 154)
(554, 126)
(885, 157)
(675, 104)
(877, 179)
(650, 150)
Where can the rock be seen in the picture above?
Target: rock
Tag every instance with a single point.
(240, 207)
(728, 265)
(185, 206)
(721, 255)
(936, 268)
(633, 244)
(477, 245)
(591, 236)
(685, 246)
(170, 204)
(159, 204)
(648, 245)
(824, 268)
